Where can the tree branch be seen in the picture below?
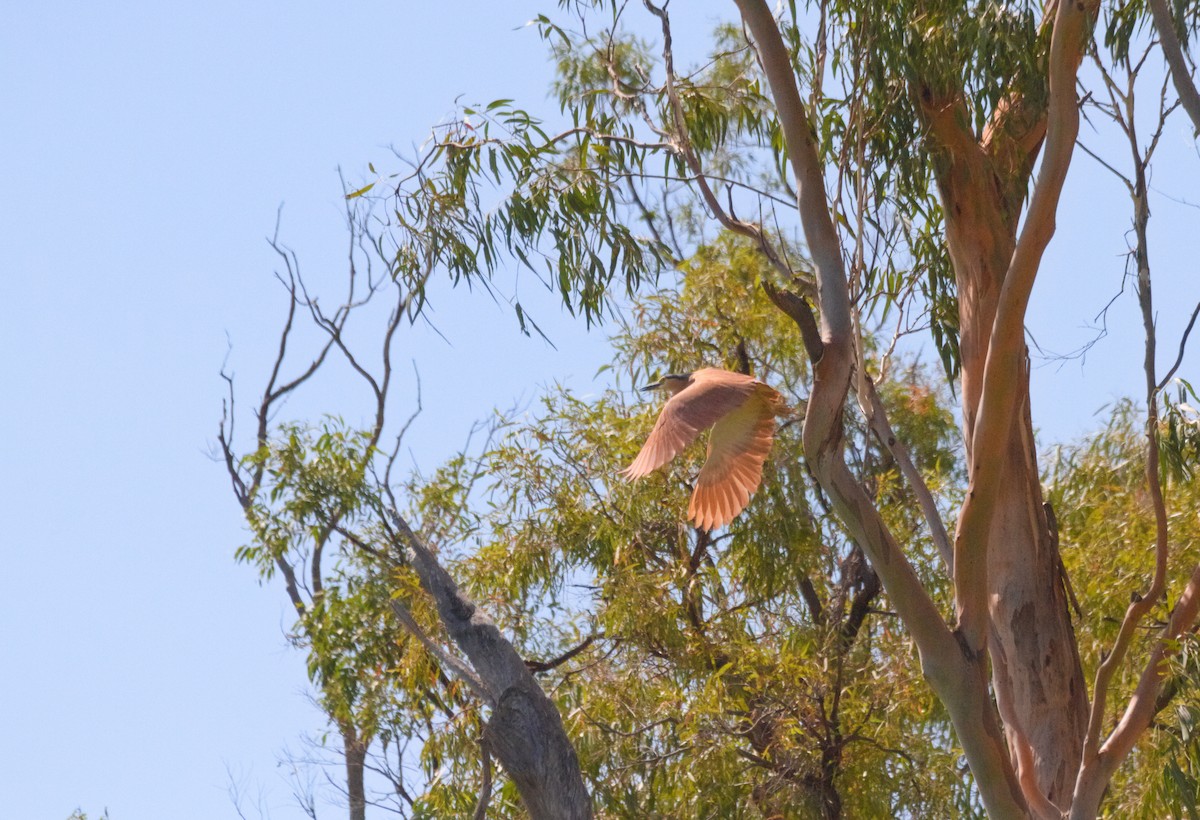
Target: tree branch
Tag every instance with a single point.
(1099, 764)
(683, 147)
(446, 659)
(876, 415)
(525, 730)
(1096, 772)
(1182, 346)
(485, 784)
(546, 666)
(1006, 351)
(1164, 24)
(960, 683)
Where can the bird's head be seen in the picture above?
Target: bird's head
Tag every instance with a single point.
(672, 383)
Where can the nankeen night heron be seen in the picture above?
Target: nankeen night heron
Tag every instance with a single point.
(741, 410)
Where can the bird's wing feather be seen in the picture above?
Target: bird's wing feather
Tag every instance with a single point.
(739, 445)
(685, 415)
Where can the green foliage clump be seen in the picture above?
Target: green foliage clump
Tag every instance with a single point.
(1107, 531)
(751, 672)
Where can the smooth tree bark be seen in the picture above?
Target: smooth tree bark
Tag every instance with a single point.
(356, 757)
(1005, 565)
(955, 669)
(1007, 570)
(1185, 87)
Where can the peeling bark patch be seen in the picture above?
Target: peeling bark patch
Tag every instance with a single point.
(1024, 630)
(462, 609)
(964, 646)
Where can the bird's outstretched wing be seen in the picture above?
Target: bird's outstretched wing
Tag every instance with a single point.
(737, 448)
(687, 414)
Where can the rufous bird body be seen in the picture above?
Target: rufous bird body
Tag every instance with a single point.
(741, 411)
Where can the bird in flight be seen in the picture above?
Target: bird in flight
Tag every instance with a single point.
(741, 411)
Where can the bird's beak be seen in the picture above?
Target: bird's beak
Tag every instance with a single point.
(654, 386)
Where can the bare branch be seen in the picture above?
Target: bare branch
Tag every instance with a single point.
(1122, 111)
(292, 586)
(1182, 345)
(485, 783)
(1099, 763)
(386, 483)
(683, 147)
(546, 666)
(874, 410)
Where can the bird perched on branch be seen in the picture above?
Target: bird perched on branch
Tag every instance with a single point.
(741, 410)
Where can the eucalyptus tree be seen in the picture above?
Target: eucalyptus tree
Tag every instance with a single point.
(917, 152)
(752, 672)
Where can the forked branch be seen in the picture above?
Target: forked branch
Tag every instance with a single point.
(1100, 762)
(959, 681)
(1006, 351)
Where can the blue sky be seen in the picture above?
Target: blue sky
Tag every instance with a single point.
(146, 150)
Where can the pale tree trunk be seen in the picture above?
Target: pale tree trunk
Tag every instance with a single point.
(1007, 580)
(356, 756)
(1036, 671)
(954, 667)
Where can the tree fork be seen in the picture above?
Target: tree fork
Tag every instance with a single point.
(1006, 562)
(954, 674)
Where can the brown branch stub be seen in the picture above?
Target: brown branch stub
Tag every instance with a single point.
(869, 589)
(799, 311)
